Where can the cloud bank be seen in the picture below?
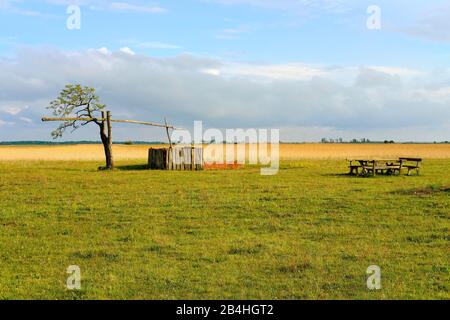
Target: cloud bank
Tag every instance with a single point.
(306, 101)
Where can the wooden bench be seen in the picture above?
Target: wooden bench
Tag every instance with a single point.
(363, 167)
(355, 165)
(411, 164)
(373, 167)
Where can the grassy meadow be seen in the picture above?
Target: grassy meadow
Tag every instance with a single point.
(309, 232)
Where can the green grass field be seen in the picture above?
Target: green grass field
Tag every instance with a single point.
(308, 232)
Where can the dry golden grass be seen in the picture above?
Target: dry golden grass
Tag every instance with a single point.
(82, 152)
(347, 151)
(287, 151)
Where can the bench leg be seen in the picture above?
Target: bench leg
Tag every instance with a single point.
(363, 172)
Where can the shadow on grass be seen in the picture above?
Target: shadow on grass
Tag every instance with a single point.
(135, 167)
(358, 176)
(340, 175)
(423, 192)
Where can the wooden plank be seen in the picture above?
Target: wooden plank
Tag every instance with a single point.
(198, 158)
(112, 120)
(382, 167)
(411, 159)
(176, 159)
(187, 158)
(151, 159)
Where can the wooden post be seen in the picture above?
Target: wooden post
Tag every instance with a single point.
(108, 122)
(170, 159)
(103, 118)
(374, 166)
(192, 159)
(104, 137)
(167, 131)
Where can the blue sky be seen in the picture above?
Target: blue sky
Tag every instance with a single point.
(235, 30)
(309, 67)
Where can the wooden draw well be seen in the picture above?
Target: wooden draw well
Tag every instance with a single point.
(177, 158)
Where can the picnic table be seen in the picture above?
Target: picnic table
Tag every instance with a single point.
(366, 167)
(411, 164)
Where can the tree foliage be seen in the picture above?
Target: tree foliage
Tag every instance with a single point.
(79, 101)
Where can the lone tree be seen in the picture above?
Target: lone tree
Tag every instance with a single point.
(81, 103)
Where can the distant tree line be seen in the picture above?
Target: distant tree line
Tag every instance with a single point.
(340, 140)
(365, 140)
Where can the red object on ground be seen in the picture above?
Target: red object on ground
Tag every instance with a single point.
(219, 166)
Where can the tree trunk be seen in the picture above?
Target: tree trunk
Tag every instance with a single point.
(110, 153)
(106, 136)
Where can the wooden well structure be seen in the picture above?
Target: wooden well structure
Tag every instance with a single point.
(176, 158)
(168, 159)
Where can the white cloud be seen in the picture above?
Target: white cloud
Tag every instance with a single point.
(157, 45)
(298, 6)
(185, 88)
(395, 71)
(6, 123)
(429, 20)
(133, 43)
(231, 33)
(12, 110)
(13, 7)
(211, 71)
(6, 4)
(133, 6)
(103, 50)
(25, 119)
(124, 6)
(290, 71)
(432, 24)
(127, 51)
